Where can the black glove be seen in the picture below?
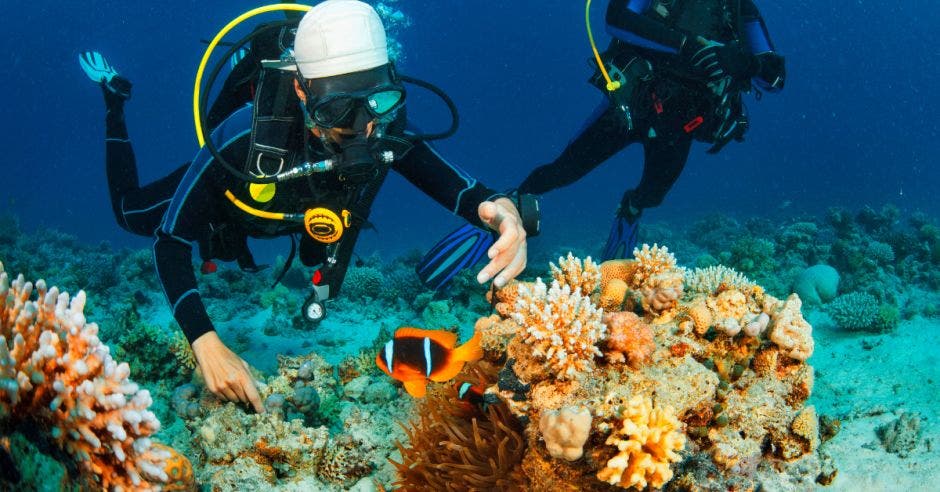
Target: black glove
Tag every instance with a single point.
(772, 69)
(116, 91)
(715, 61)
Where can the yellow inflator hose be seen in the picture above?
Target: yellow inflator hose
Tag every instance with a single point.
(612, 85)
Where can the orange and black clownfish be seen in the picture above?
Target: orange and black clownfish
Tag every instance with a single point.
(414, 356)
(474, 395)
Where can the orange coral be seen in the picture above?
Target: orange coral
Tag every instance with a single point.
(701, 317)
(628, 338)
(580, 275)
(613, 295)
(56, 374)
(648, 440)
(179, 471)
(616, 269)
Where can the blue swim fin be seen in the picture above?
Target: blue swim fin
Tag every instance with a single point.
(622, 238)
(458, 250)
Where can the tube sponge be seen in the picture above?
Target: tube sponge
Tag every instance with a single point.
(817, 284)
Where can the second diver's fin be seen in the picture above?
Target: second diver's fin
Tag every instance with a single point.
(622, 238)
(458, 250)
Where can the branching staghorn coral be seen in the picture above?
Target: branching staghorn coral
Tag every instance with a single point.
(56, 374)
(561, 326)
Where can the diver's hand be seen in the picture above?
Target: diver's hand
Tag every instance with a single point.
(226, 374)
(717, 61)
(508, 254)
(773, 69)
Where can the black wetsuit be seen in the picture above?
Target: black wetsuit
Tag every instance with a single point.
(663, 108)
(189, 206)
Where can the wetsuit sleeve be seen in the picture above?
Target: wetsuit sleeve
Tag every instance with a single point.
(772, 73)
(626, 21)
(446, 183)
(198, 200)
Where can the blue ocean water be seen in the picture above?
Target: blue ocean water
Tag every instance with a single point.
(856, 126)
(857, 123)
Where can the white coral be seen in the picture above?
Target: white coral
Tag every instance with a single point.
(561, 326)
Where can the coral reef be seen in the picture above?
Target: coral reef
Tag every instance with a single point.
(56, 374)
(716, 390)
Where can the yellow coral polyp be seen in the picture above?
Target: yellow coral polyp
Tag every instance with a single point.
(648, 441)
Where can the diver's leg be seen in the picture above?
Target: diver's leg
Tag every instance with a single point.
(604, 134)
(137, 209)
(663, 163)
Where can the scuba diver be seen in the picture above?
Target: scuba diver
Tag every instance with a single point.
(305, 157)
(674, 72)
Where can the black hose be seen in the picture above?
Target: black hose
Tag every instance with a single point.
(455, 116)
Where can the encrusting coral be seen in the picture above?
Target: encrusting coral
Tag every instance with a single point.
(56, 374)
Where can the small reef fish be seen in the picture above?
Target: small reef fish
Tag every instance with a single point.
(415, 356)
(474, 395)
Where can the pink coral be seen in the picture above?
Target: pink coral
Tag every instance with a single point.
(628, 339)
(56, 374)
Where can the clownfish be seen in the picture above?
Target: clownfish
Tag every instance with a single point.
(474, 395)
(414, 356)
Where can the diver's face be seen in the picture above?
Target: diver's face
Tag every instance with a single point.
(337, 135)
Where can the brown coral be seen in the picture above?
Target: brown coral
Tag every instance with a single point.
(616, 270)
(628, 339)
(450, 449)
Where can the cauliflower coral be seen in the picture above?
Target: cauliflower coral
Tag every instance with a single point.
(560, 325)
(648, 441)
(56, 374)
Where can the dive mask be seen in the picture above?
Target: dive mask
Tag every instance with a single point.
(338, 110)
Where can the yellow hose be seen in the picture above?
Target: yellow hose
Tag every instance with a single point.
(612, 85)
(200, 136)
(253, 211)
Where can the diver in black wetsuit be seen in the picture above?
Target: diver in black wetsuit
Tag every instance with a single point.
(349, 133)
(677, 69)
